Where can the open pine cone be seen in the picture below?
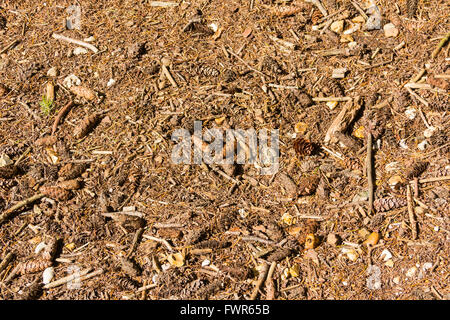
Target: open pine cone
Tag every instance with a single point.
(303, 147)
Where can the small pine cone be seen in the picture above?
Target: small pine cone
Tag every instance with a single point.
(9, 171)
(70, 184)
(86, 125)
(308, 185)
(416, 169)
(303, 147)
(411, 7)
(50, 250)
(331, 87)
(229, 75)
(54, 192)
(212, 244)
(316, 16)
(388, 203)
(71, 171)
(126, 283)
(33, 266)
(279, 254)
(271, 65)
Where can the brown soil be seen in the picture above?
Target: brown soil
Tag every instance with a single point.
(239, 220)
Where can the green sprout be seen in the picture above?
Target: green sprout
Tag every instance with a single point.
(46, 105)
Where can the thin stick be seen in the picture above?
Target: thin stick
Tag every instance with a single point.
(262, 277)
(444, 178)
(128, 213)
(440, 45)
(419, 75)
(253, 238)
(61, 114)
(330, 15)
(9, 46)
(442, 76)
(163, 241)
(326, 99)
(67, 279)
(369, 165)
(415, 95)
(361, 11)
(22, 156)
(136, 239)
(270, 287)
(412, 219)
(169, 76)
(9, 257)
(74, 41)
(91, 275)
(319, 6)
(246, 64)
(6, 214)
(31, 112)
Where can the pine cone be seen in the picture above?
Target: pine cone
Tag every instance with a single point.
(331, 87)
(205, 70)
(303, 147)
(388, 203)
(308, 185)
(71, 171)
(271, 65)
(54, 192)
(86, 125)
(126, 283)
(416, 170)
(33, 266)
(411, 7)
(316, 16)
(229, 75)
(9, 171)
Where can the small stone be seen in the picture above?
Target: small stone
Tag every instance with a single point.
(90, 39)
(110, 83)
(337, 26)
(79, 50)
(390, 30)
(5, 160)
(47, 275)
(52, 72)
(339, 73)
(429, 132)
(333, 239)
(358, 19)
(165, 61)
(411, 272)
(71, 80)
(411, 113)
(386, 255)
(352, 45)
(389, 263)
(394, 180)
(423, 145)
(396, 280)
(347, 38)
(332, 104)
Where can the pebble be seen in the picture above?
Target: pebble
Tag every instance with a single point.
(110, 83)
(386, 255)
(423, 145)
(337, 26)
(79, 50)
(429, 132)
(411, 272)
(47, 275)
(52, 72)
(389, 263)
(333, 239)
(396, 280)
(390, 30)
(39, 247)
(71, 80)
(5, 160)
(411, 113)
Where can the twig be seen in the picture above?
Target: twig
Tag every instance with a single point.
(319, 6)
(31, 112)
(270, 287)
(128, 213)
(370, 167)
(326, 99)
(440, 45)
(412, 219)
(245, 63)
(419, 75)
(444, 178)
(74, 41)
(163, 4)
(436, 293)
(136, 239)
(67, 279)
(253, 238)
(6, 214)
(442, 76)
(149, 286)
(9, 257)
(91, 275)
(333, 153)
(169, 76)
(22, 156)
(61, 114)
(361, 11)
(261, 279)
(415, 95)
(9, 46)
(163, 241)
(330, 15)
(159, 225)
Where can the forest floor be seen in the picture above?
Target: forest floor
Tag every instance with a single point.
(358, 208)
